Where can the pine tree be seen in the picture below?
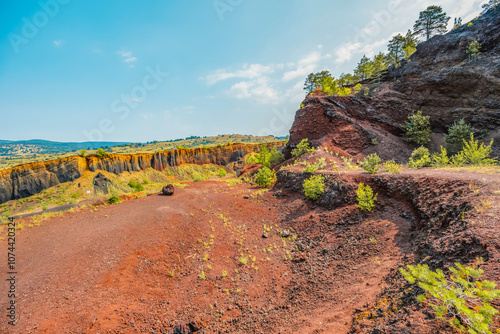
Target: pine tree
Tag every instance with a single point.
(458, 23)
(314, 80)
(396, 49)
(364, 69)
(432, 21)
(490, 5)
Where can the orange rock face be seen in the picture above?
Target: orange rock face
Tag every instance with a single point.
(29, 179)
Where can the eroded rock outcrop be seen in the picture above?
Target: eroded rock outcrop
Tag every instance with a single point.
(439, 80)
(29, 179)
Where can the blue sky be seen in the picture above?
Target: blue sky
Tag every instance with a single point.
(75, 70)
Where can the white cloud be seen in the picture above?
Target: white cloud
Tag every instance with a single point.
(248, 71)
(305, 66)
(260, 90)
(58, 42)
(345, 52)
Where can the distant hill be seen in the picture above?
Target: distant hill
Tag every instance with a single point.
(27, 148)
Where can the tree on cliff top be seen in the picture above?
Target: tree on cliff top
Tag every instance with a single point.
(432, 21)
(492, 4)
(314, 80)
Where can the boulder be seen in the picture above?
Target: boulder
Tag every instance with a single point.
(168, 190)
(101, 183)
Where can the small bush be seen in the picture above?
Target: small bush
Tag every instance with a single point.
(418, 129)
(314, 187)
(473, 50)
(250, 159)
(366, 199)
(318, 165)
(114, 199)
(136, 186)
(263, 157)
(187, 148)
(83, 153)
(101, 153)
(457, 133)
(371, 164)
(392, 167)
(302, 148)
(222, 172)
(477, 155)
(460, 299)
(420, 158)
(458, 160)
(197, 178)
(441, 159)
(265, 177)
(276, 157)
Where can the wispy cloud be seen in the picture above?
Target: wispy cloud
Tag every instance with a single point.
(247, 71)
(305, 66)
(58, 42)
(127, 57)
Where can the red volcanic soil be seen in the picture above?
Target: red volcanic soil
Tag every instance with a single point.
(213, 258)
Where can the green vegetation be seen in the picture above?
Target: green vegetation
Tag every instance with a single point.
(441, 159)
(264, 156)
(302, 148)
(490, 5)
(265, 177)
(432, 21)
(392, 167)
(477, 155)
(136, 186)
(276, 157)
(314, 187)
(114, 199)
(101, 153)
(462, 299)
(420, 158)
(457, 133)
(401, 47)
(473, 50)
(418, 129)
(180, 147)
(222, 172)
(371, 164)
(83, 153)
(366, 198)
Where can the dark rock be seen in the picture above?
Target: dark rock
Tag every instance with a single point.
(168, 190)
(101, 183)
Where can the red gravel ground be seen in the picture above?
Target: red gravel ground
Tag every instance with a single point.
(213, 258)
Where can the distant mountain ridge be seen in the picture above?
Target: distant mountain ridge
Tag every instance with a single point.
(40, 146)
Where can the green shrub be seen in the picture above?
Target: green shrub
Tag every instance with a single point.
(473, 50)
(263, 157)
(114, 199)
(392, 167)
(197, 177)
(136, 186)
(420, 158)
(276, 157)
(418, 129)
(250, 159)
(458, 160)
(314, 187)
(318, 165)
(101, 153)
(371, 164)
(187, 148)
(302, 148)
(477, 155)
(441, 159)
(366, 199)
(265, 177)
(222, 172)
(461, 298)
(456, 135)
(83, 153)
